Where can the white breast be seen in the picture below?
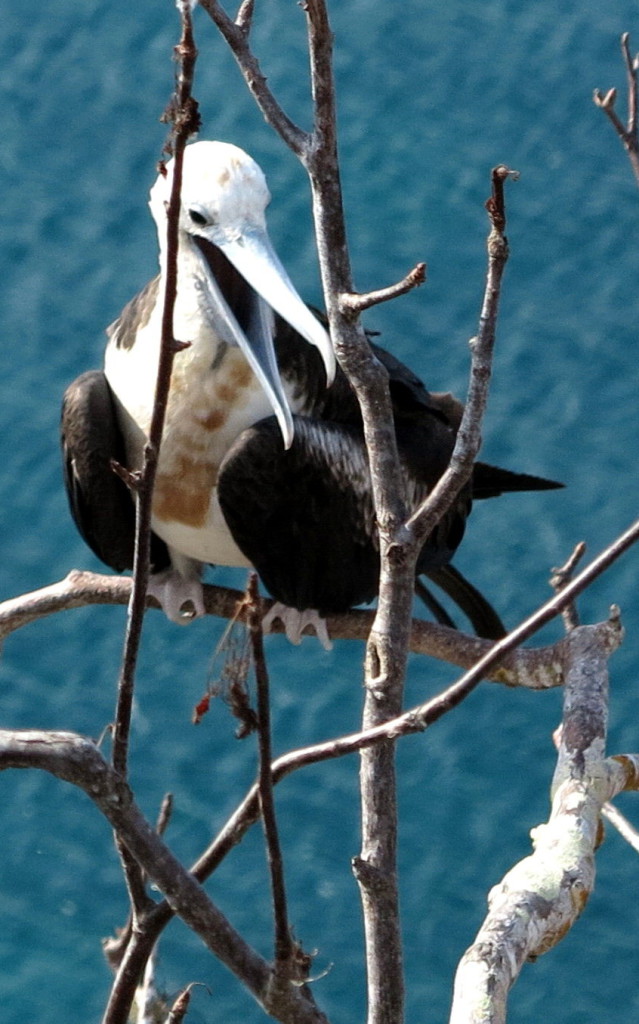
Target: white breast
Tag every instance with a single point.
(207, 409)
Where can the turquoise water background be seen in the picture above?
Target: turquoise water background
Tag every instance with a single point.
(431, 96)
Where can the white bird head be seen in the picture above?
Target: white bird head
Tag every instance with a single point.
(223, 201)
(223, 192)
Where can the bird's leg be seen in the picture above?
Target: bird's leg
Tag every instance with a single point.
(179, 589)
(295, 622)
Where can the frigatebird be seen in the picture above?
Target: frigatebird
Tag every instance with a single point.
(262, 461)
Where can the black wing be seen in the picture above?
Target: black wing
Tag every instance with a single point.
(305, 519)
(99, 500)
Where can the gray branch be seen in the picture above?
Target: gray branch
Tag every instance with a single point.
(538, 901)
(606, 102)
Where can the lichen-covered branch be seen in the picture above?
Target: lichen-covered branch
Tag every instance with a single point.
(538, 901)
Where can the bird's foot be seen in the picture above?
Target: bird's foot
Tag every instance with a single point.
(181, 598)
(295, 622)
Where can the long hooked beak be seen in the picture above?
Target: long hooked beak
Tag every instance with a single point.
(256, 261)
(254, 256)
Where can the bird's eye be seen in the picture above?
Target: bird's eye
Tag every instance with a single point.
(198, 218)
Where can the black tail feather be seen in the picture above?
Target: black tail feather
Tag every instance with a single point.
(483, 617)
(491, 481)
(436, 609)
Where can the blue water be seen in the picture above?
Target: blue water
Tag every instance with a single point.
(431, 97)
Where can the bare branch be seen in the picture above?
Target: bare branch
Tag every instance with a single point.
(130, 967)
(468, 439)
(547, 672)
(244, 17)
(164, 816)
(621, 823)
(631, 77)
(180, 1007)
(606, 102)
(115, 947)
(237, 38)
(532, 668)
(184, 116)
(282, 944)
(376, 868)
(81, 588)
(183, 113)
(135, 883)
(354, 303)
(560, 577)
(77, 760)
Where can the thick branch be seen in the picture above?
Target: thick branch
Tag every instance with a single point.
(537, 902)
(533, 668)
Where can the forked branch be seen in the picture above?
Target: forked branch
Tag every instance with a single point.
(606, 102)
(78, 761)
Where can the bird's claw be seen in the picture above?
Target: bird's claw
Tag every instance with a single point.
(182, 600)
(295, 622)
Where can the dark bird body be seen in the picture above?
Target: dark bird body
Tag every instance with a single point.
(262, 467)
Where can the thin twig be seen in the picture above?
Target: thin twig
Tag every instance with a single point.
(183, 113)
(180, 1007)
(282, 942)
(354, 303)
(135, 882)
(560, 577)
(116, 948)
(621, 823)
(631, 77)
(468, 440)
(164, 815)
(185, 120)
(244, 17)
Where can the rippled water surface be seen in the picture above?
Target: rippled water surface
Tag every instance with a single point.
(431, 97)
